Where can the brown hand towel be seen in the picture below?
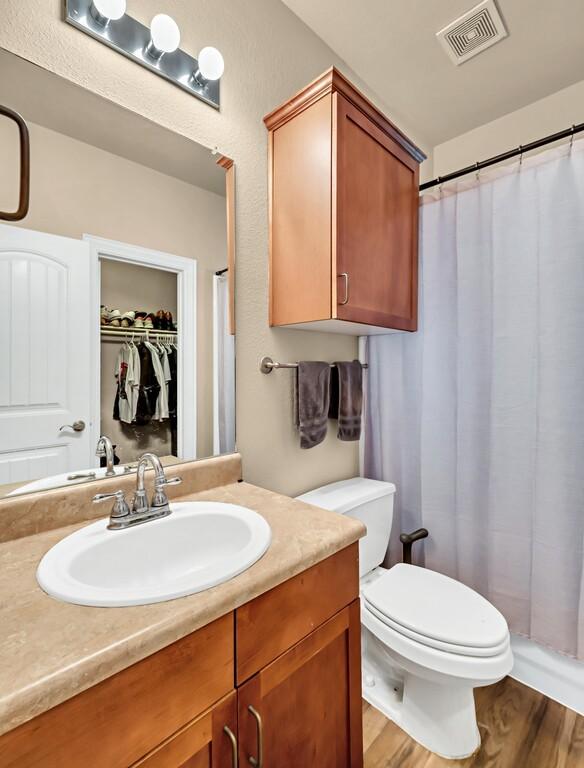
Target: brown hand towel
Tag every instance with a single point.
(313, 396)
(347, 399)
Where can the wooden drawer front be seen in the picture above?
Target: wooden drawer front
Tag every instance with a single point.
(273, 622)
(121, 719)
(200, 744)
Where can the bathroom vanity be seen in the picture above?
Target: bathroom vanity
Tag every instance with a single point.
(263, 669)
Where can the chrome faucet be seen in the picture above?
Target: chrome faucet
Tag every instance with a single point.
(105, 448)
(140, 510)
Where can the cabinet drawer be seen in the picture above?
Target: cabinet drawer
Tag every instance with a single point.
(119, 720)
(202, 743)
(267, 626)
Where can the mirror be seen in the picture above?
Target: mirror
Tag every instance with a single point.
(116, 290)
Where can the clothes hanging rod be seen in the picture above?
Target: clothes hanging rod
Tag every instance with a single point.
(140, 332)
(518, 151)
(267, 365)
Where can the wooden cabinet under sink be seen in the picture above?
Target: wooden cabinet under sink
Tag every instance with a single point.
(275, 683)
(343, 213)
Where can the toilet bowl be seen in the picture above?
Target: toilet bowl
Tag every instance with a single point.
(427, 639)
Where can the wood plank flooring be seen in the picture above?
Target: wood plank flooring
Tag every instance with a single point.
(520, 728)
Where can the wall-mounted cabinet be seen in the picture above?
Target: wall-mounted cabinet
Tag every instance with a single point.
(343, 214)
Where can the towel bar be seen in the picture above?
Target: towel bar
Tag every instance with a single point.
(267, 365)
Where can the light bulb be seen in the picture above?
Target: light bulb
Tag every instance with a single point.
(165, 33)
(211, 64)
(104, 11)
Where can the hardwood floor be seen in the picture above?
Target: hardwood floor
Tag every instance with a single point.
(520, 728)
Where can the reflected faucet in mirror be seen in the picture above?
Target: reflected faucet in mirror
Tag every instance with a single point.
(105, 448)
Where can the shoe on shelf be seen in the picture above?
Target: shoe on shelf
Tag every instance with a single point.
(139, 318)
(115, 318)
(149, 322)
(128, 319)
(161, 318)
(169, 322)
(104, 315)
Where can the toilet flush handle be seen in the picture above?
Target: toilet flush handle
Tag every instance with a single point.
(407, 539)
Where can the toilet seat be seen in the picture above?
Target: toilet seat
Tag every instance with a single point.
(436, 611)
(433, 643)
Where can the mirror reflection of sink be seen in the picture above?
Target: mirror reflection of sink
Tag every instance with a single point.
(67, 478)
(201, 544)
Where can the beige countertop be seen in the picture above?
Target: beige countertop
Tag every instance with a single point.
(51, 651)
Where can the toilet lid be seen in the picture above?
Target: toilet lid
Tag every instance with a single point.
(433, 606)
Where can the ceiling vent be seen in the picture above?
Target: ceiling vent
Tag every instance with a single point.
(473, 32)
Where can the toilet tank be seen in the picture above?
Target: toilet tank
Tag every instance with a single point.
(370, 501)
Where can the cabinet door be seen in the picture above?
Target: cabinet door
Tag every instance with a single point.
(210, 741)
(376, 224)
(304, 709)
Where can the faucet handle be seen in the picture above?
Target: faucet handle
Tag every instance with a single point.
(160, 499)
(120, 508)
(160, 482)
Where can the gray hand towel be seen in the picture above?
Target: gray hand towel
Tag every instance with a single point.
(313, 396)
(347, 399)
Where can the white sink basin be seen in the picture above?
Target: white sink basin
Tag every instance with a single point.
(201, 544)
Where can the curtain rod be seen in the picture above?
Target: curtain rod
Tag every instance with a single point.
(520, 150)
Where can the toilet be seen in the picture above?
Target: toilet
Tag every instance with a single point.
(427, 639)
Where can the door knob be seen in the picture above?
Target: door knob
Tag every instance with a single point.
(77, 426)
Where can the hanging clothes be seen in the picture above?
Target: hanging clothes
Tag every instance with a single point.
(127, 374)
(172, 388)
(161, 372)
(149, 388)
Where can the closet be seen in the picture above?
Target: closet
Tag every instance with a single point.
(139, 359)
(343, 213)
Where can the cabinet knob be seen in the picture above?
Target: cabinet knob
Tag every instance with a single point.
(345, 277)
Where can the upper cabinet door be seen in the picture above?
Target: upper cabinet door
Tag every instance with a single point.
(304, 709)
(376, 223)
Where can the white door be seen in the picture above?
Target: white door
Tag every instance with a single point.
(44, 348)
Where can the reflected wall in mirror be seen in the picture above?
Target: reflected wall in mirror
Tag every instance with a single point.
(116, 289)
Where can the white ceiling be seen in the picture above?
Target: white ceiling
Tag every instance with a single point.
(392, 47)
(46, 99)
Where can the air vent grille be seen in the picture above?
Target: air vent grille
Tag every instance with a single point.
(473, 32)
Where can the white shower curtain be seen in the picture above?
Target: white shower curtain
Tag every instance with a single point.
(479, 417)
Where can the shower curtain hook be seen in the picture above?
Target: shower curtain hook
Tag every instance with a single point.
(520, 155)
(477, 170)
(572, 136)
(439, 180)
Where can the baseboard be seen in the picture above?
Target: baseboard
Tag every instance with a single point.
(556, 676)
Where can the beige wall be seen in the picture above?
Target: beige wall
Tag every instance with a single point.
(269, 54)
(79, 189)
(543, 117)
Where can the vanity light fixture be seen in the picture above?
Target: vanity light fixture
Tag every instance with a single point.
(211, 66)
(155, 47)
(104, 11)
(164, 36)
